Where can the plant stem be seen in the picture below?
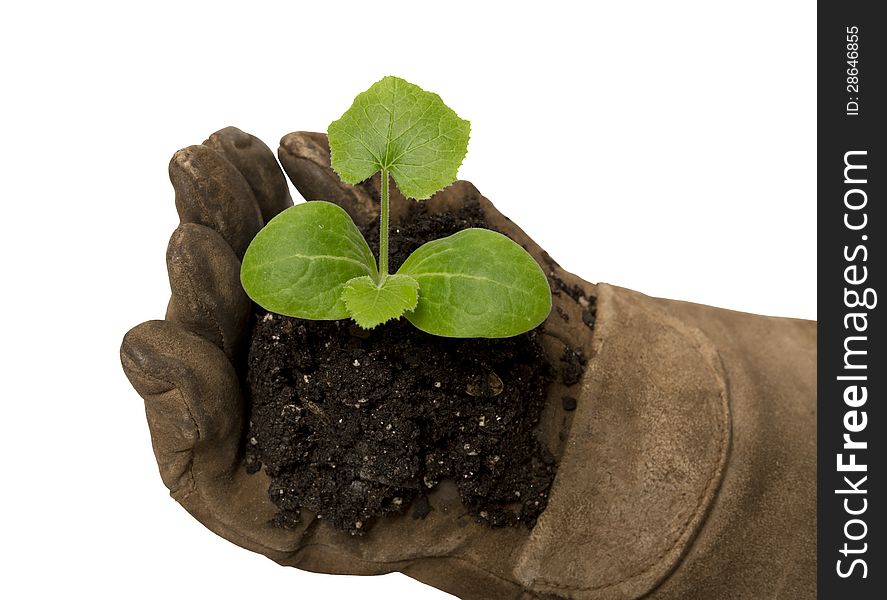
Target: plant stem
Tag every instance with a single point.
(383, 229)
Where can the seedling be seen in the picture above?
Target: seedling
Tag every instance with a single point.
(312, 262)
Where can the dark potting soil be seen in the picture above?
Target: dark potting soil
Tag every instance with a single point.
(354, 424)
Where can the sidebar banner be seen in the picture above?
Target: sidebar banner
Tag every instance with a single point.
(852, 365)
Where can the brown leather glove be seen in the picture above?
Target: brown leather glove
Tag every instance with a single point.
(687, 469)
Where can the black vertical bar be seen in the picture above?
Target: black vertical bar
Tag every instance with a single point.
(852, 366)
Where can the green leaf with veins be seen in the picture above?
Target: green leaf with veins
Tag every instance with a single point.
(399, 127)
(370, 304)
(477, 283)
(312, 262)
(299, 262)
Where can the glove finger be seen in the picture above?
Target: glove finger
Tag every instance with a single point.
(211, 191)
(305, 156)
(571, 287)
(192, 401)
(257, 164)
(207, 297)
(195, 414)
(455, 196)
(573, 313)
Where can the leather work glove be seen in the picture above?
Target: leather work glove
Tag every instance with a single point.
(686, 471)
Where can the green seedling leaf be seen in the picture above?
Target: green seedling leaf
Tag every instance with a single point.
(312, 262)
(400, 128)
(477, 283)
(371, 304)
(299, 262)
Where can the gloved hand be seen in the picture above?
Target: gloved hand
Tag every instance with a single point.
(686, 471)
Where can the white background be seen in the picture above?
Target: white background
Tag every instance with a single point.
(667, 147)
